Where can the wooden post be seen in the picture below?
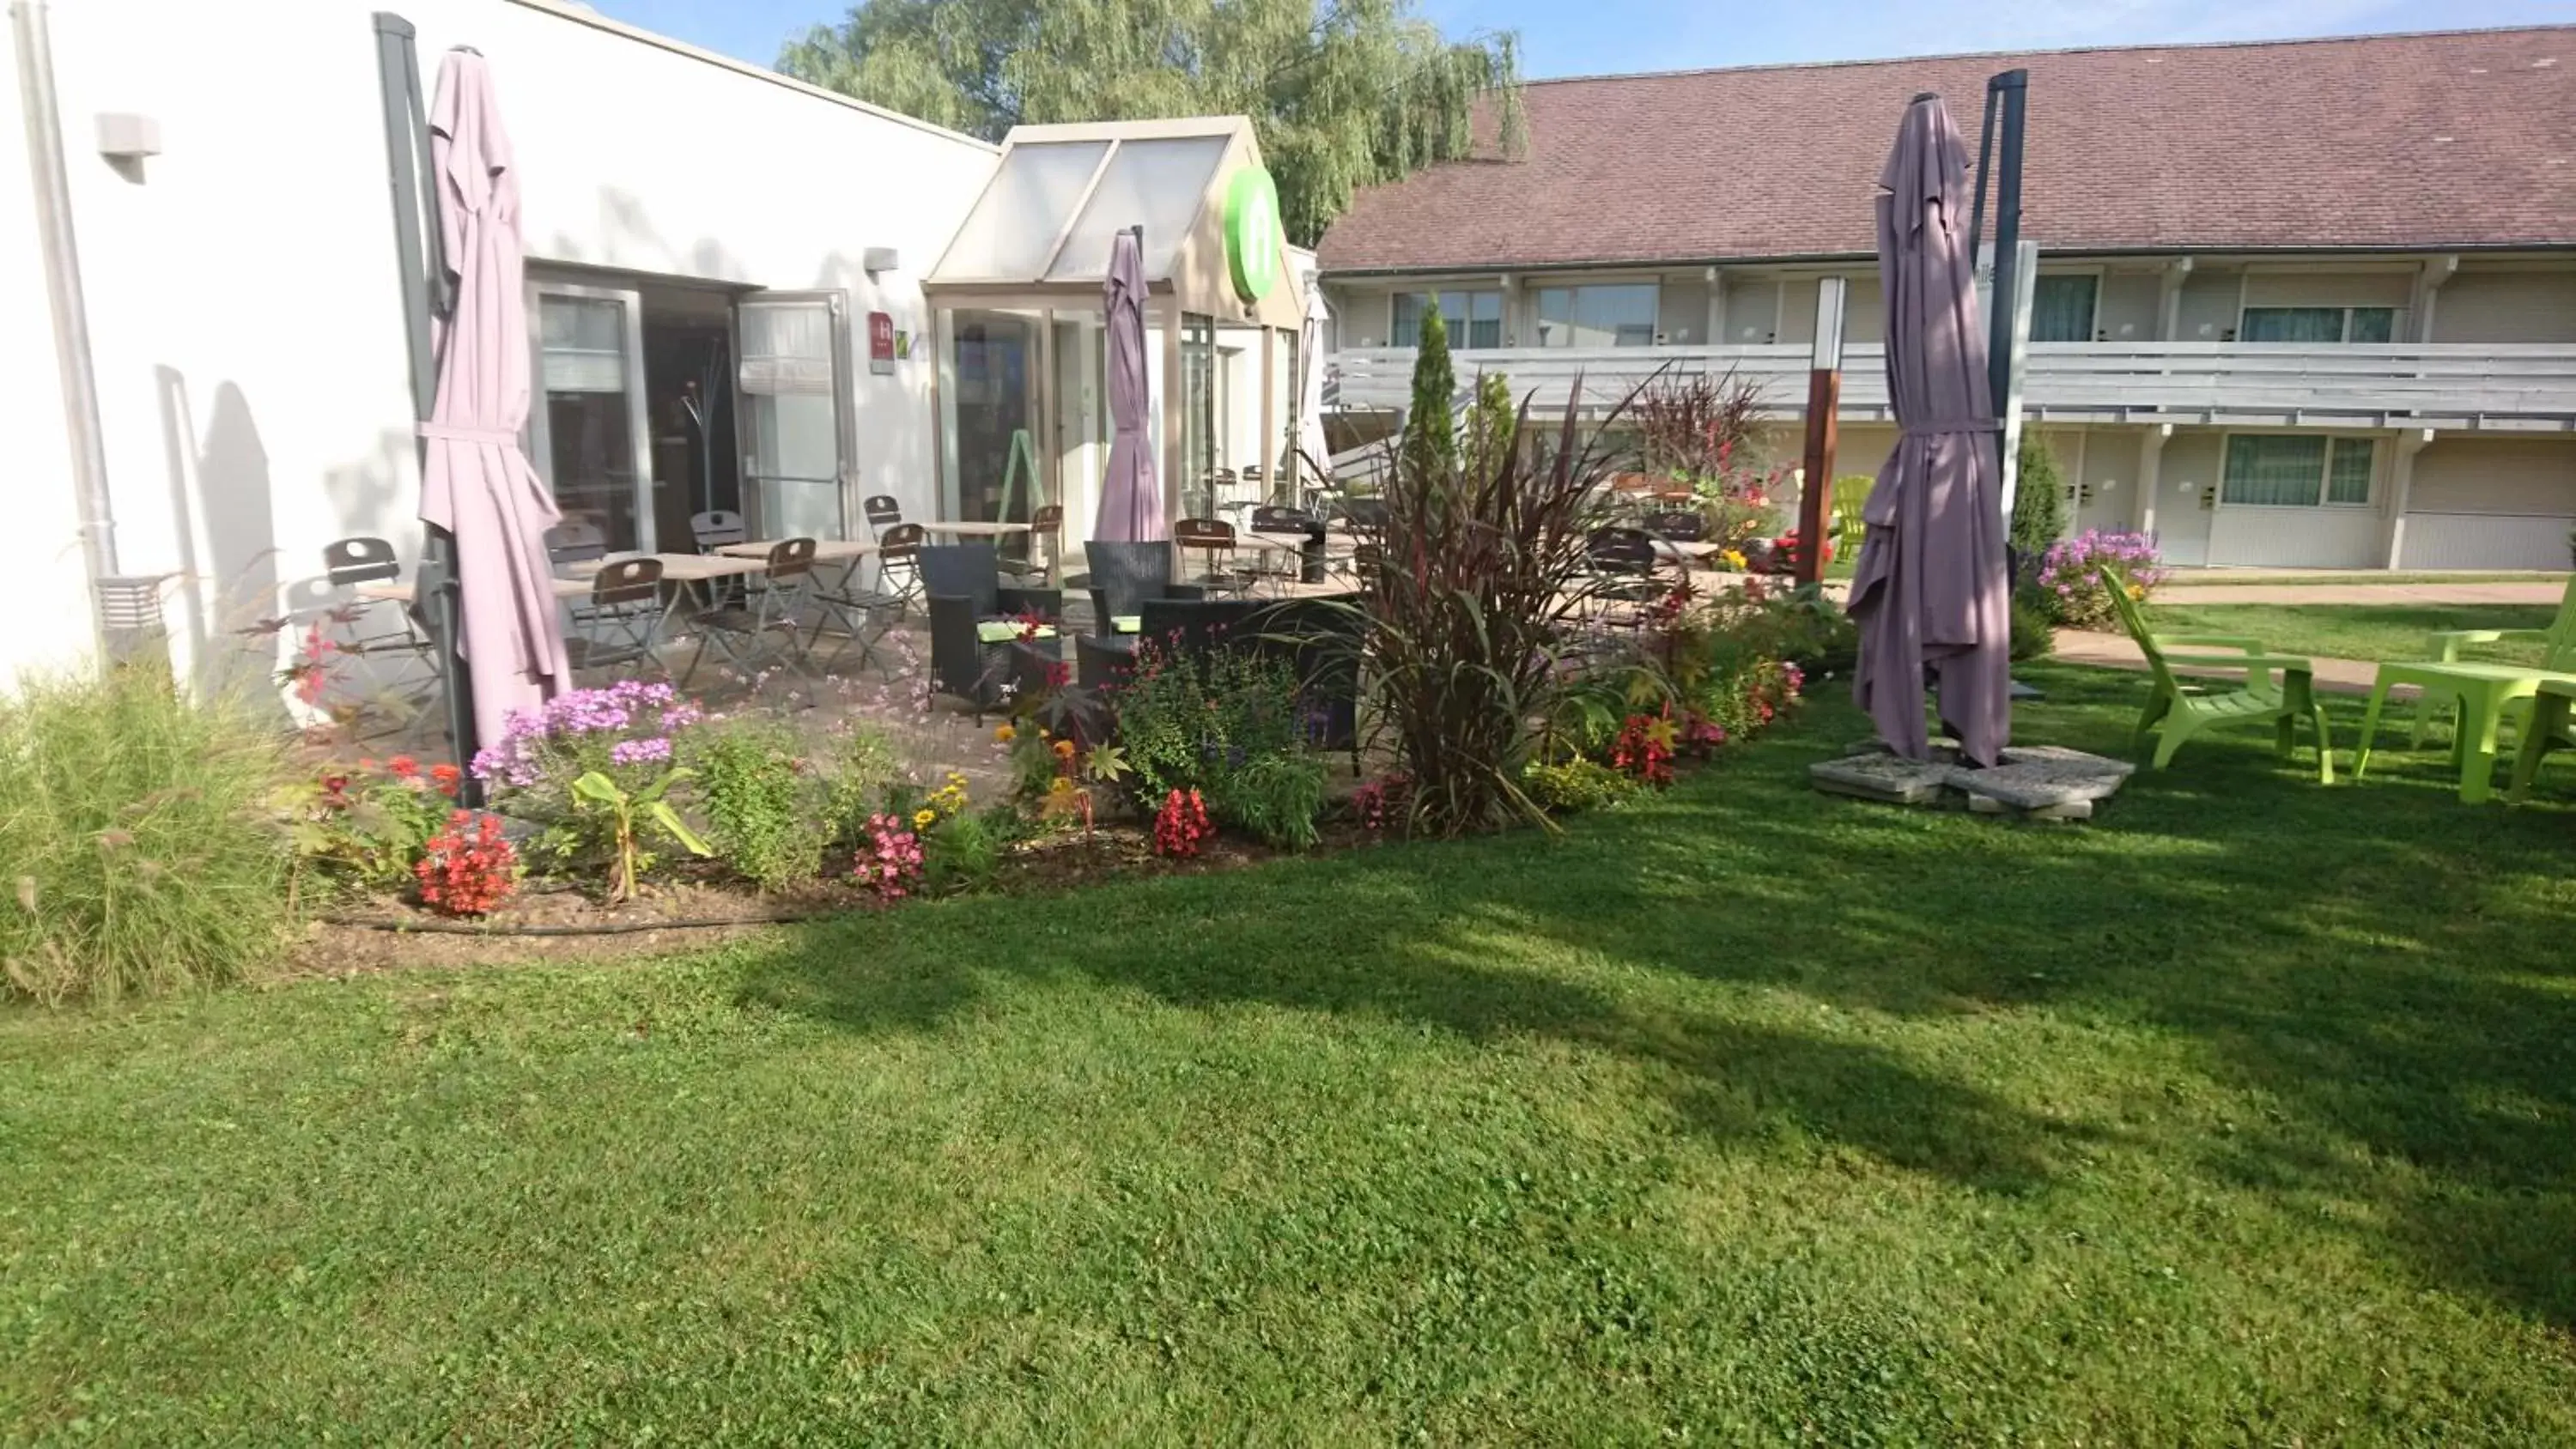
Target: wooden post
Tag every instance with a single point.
(1824, 398)
(1815, 499)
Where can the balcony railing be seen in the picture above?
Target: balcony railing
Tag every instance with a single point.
(2502, 387)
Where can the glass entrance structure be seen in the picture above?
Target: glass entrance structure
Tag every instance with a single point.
(1021, 328)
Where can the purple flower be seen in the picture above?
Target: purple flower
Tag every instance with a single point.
(636, 752)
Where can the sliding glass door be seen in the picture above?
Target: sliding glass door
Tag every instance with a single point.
(795, 384)
(588, 430)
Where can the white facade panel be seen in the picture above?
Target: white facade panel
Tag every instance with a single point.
(2299, 538)
(2488, 541)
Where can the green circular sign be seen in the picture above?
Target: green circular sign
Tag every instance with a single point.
(1252, 233)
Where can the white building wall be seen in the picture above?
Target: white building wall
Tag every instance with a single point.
(243, 289)
(43, 583)
(2492, 503)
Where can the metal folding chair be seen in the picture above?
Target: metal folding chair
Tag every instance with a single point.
(1623, 573)
(883, 512)
(715, 528)
(348, 563)
(764, 627)
(899, 564)
(863, 614)
(1045, 545)
(1215, 538)
(576, 540)
(621, 621)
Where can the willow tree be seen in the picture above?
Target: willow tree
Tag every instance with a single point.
(1345, 93)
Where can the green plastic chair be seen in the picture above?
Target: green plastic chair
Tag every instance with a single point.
(1851, 496)
(2552, 727)
(2483, 695)
(2277, 690)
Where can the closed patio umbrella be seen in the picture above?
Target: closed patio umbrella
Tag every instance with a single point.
(1317, 453)
(475, 481)
(1929, 592)
(1131, 504)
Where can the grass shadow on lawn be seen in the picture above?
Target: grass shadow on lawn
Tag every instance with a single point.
(2388, 967)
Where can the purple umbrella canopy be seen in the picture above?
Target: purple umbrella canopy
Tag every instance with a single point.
(1929, 593)
(1131, 504)
(476, 481)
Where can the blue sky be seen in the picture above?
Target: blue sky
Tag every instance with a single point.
(1582, 37)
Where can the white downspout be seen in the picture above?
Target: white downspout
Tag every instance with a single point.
(71, 312)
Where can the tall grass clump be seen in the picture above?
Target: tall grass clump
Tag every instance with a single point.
(138, 854)
(1477, 623)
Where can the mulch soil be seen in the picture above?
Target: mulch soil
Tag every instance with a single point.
(693, 909)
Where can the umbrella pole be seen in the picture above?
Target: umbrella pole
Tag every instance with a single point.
(2013, 89)
(415, 245)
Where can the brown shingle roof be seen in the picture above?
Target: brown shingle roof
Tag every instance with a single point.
(2454, 140)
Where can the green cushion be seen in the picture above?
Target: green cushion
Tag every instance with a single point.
(1003, 631)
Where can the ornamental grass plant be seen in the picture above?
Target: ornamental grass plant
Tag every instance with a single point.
(138, 850)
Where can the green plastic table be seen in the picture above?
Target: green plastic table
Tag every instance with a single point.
(2482, 691)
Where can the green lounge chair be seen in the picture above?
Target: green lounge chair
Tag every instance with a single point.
(2277, 690)
(2552, 727)
(2485, 695)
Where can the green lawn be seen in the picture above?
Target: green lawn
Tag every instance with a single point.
(2356, 631)
(2246, 1115)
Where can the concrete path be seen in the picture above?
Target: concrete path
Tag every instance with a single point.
(2114, 651)
(2388, 595)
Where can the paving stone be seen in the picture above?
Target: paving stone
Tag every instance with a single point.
(2059, 754)
(1881, 777)
(2068, 813)
(2033, 782)
(2037, 786)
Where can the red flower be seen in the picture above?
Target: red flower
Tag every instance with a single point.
(1181, 824)
(446, 778)
(403, 767)
(467, 871)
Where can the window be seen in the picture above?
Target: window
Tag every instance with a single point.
(2061, 309)
(1613, 316)
(2318, 324)
(2280, 470)
(1474, 319)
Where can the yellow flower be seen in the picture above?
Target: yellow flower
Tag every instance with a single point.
(924, 819)
(1064, 749)
(1004, 733)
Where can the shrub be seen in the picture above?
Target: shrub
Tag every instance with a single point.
(2039, 502)
(1644, 749)
(137, 841)
(2070, 582)
(861, 769)
(763, 817)
(1492, 431)
(960, 852)
(1577, 784)
(1187, 720)
(468, 868)
(2033, 635)
(1695, 425)
(1277, 798)
(1431, 428)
